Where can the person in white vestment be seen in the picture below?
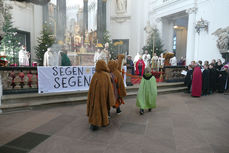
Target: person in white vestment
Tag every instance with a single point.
(23, 57)
(52, 56)
(48, 58)
(136, 58)
(101, 54)
(105, 53)
(161, 60)
(146, 58)
(97, 55)
(154, 61)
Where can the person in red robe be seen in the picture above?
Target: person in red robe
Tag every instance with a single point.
(140, 67)
(197, 82)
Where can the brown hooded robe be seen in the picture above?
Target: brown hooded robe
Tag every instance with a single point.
(113, 66)
(100, 96)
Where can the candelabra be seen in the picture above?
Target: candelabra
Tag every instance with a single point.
(201, 24)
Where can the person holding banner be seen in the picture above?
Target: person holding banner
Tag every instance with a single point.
(118, 84)
(100, 97)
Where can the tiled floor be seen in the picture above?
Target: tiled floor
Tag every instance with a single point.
(179, 124)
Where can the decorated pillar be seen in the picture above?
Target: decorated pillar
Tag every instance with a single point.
(1, 19)
(45, 10)
(85, 15)
(190, 53)
(85, 18)
(101, 19)
(61, 20)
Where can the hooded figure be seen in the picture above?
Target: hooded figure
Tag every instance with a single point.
(147, 92)
(118, 84)
(100, 96)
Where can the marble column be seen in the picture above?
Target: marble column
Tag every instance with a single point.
(167, 34)
(190, 51)
(85, 14)
(61, 20)
(101, 19)
(85, 18)
(1, 19)
(45, 12)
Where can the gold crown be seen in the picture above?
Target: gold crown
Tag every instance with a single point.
(99, 45)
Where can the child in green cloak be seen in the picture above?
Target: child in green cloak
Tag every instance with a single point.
(147, 93)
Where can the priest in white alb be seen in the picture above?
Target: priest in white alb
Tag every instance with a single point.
(146, 58)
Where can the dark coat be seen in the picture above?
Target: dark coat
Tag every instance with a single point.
(205, 80)
(188, 78)
(222, 80)
(130, 66)
(219, 67)
(213, 75)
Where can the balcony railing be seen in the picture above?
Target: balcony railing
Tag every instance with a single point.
(16, 80)
(19, 80)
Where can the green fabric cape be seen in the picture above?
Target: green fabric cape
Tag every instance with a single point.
(147, 93)
(65, 61)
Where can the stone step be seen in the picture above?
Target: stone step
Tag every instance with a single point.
(34, 99)
(162, 91)
(82, 93)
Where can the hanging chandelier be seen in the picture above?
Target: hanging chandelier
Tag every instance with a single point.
(201, 24)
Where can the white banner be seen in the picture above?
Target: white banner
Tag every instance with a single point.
(64, 79)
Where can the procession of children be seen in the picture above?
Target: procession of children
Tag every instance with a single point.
(107, 90)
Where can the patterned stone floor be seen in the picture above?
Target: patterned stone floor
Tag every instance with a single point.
(180, 124)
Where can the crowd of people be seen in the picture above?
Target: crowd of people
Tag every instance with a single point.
(207, 78)
(142, 61)
(107, 91)
(107, 88)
